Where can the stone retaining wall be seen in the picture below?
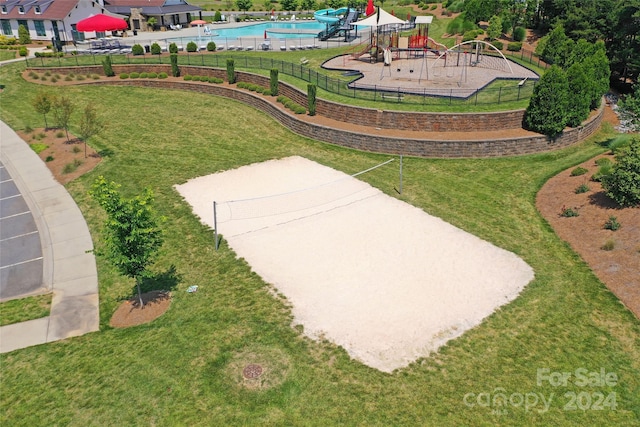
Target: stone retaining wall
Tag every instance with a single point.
(381, 144)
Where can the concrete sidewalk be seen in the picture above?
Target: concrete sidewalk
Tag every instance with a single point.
(69, 269)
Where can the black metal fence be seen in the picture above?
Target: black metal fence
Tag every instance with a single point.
(498, 92)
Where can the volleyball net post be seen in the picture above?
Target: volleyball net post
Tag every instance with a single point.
(215, 225)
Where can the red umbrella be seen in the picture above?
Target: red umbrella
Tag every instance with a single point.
(370, 8)
(199, 22)
(101, 23)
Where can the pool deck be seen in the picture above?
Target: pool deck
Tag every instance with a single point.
(183, 36)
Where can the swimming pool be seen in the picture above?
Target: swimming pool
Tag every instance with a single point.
(280, 30)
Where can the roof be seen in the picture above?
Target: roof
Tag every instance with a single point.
(37, 9)
(154, 10)
(427, 19)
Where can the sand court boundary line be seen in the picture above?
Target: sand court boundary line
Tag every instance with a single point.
(375, 275)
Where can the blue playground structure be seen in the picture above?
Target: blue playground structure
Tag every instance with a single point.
(338, 21)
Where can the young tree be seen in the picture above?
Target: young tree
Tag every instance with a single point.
(42, 104)
(23, 35)
(244, 5)
(90, 125)
(623, 184)
(132, 234)
(291, 5)
(62, 109)
(547, 110)
(579, 99)
(494, 30)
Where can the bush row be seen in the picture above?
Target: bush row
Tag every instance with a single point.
(255, 88)
(291, 105)
(136, 75)
(203, 79)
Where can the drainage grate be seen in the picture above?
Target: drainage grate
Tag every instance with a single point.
(252, 371)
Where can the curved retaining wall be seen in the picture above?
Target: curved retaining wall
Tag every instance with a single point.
(366, 142)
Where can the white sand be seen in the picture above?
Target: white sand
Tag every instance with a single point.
(375, 275)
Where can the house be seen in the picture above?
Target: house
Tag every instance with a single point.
(55, 20)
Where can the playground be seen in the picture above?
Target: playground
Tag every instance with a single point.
(432, 70)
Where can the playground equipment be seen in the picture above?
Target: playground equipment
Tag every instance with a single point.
(468, 54)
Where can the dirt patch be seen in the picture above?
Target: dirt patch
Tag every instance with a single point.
(614, 256)
(131, 313)
(66, 160)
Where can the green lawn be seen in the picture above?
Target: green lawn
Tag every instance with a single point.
(182, 369)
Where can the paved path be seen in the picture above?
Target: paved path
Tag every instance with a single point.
(68, 270)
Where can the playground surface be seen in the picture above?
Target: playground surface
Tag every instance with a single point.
(414, 74)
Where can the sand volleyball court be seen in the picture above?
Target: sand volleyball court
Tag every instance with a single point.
(375, 275)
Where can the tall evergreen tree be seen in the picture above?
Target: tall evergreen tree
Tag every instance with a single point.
(579, 99)
(547, 110)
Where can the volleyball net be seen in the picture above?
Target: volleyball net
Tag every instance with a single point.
(251, 214)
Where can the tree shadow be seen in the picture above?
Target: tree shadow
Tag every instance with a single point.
(600, 199)
(156, 287)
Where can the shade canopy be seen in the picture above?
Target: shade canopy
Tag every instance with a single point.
(199, 22)
(101, 23)
(379, 19)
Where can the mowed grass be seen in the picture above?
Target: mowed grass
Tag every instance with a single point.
(19, 310)
(183, 368)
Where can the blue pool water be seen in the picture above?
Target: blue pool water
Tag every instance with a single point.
(308, 29)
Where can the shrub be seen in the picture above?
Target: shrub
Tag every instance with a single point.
(156, 49)
(602, 172)
(173, 48)
(106, 66)
(49, 159)
(311, 98)
(124, 76)
(469, 35)
(609, 245)
(273, 83)
(569, 212)
(188, 77)
(192, 47)
(231, 73)
(612, 224)
(80, 77)
(579, 171)
(514, 46)
(71, 167)
(519, 34)
(211, 46)
(175, 70)
(582, 188)
(23, 50)
(162, 75)
(604, 161)
(619, 142)
(60, 134)
(137, 49)
(623, 184)
(498, 44)
(152, 75)
(76, 149)
(134, 75)
(68, 78)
